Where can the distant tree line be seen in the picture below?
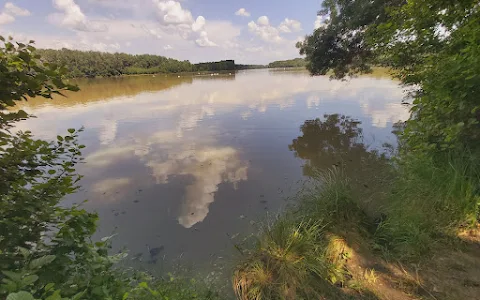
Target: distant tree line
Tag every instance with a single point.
(291, 63)
(248, 67)
(102, 64)
(92, 63)
(223, 65)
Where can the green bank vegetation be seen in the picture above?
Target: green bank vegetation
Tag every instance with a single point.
(406, 228)
(291, 63)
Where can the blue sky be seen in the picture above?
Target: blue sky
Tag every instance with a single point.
(249, 31)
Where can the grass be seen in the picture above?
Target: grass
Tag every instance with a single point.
(288, 262)
(171, 287)
(304, 254)
(428, 204)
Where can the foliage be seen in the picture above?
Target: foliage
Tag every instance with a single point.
(46, 250)
(171, 287)
(92, 63)
(428, 203)
(446, 111)
(224, 65)
(340, 43)
(102, 64)
(432, 45)
(249, 67)
(291, 63)
(22, 75)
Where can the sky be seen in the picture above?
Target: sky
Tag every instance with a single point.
(248, 31)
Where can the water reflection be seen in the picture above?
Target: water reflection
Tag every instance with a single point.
(187, 160)
(209, 167)
(337, 141)
(98, 89)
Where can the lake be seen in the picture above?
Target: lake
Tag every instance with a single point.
(187, 165)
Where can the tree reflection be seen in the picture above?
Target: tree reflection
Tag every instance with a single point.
(335, 141)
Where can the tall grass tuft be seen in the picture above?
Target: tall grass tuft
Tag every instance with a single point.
(287, 263)
(330, 198)
(296, 256)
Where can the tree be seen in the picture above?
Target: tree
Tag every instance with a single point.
(433, 47)
(341, 43)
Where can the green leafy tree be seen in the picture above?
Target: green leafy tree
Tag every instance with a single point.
(433, 47)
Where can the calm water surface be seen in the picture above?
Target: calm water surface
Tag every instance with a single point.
(184, 164)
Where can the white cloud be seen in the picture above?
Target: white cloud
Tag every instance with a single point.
(289, 25)
(178, 20)
(242, 12)
(171, 12)
(254, 49)
(72, 17)
(203, 40)
(167, 47)
(152, 32)
(111, 185)
(199, 24)
(10, 11)
(263, 21)
(6, 18)
(144, 30)
(264, 30)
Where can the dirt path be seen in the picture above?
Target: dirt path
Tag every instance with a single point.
(451, 272)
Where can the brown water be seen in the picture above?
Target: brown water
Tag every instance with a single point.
(189, 164)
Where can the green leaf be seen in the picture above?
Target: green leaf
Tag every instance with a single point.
(20, 296)
(79, 295)
(60, 138)
(28, 280)
(71, 130)
(55, 296)
(25, 252)
(49, 286)
(40, 262)
(9, 285)
(51, 172)
(12, 275)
